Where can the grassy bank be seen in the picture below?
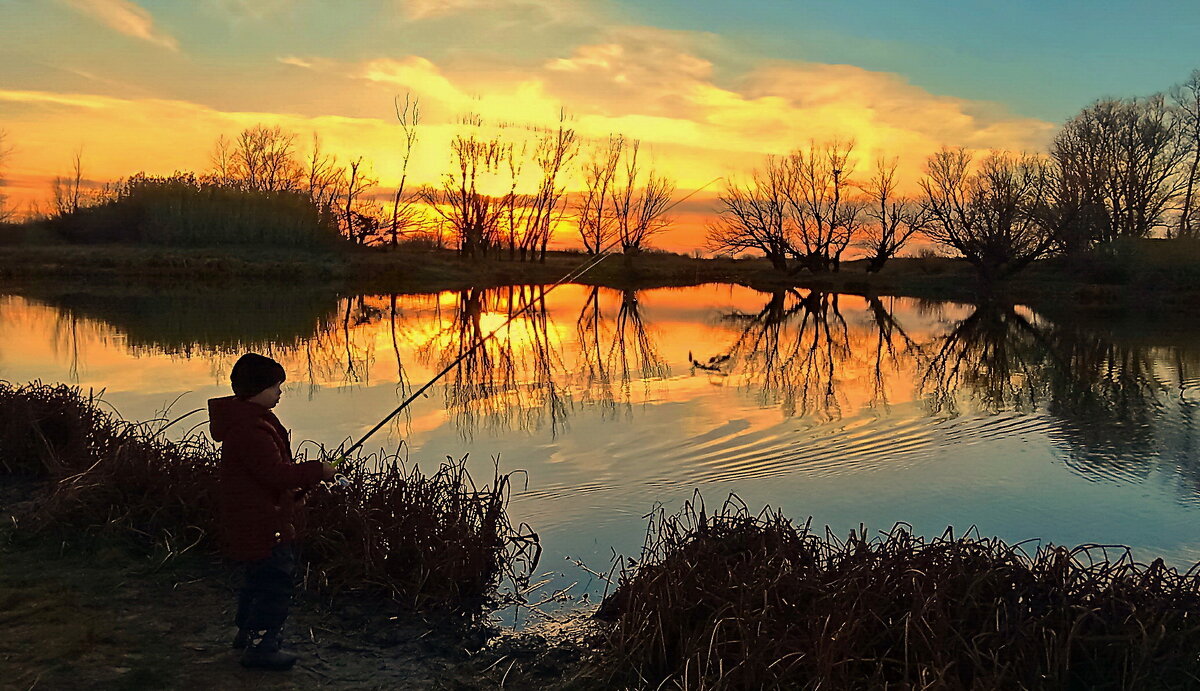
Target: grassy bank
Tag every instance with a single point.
(111, 578)
(1144, 274)
(733, 600)
(363, 270)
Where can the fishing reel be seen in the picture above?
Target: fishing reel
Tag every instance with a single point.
(339, 479)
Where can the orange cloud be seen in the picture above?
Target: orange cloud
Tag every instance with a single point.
(529, 10)
(127, 18)
(657, 86)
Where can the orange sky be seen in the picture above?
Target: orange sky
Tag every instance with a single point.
(701, 111)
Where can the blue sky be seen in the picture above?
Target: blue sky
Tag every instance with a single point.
(1043, 59)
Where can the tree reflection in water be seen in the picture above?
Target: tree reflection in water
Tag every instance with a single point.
(793, 351)
(1119, 411)
(520, 378)
(894, 349)
(1117, 408)
(994, 355)
(613, 355)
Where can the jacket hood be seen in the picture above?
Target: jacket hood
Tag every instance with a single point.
(229, 412)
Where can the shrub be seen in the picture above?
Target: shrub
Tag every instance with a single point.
(183, 210)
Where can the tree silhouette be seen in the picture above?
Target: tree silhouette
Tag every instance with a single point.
(1126, 156)
(893, 219)
(6, 213)
(754, 216)
(990, 216)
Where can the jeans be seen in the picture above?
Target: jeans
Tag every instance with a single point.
(267, 592)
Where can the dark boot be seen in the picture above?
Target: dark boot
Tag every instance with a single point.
(241, 639)
(268, 654)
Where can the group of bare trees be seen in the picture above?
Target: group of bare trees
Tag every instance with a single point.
(504, 189)
(620, 204)
(479, 197)
(1121, 168)
(805, 210)
(266, 159)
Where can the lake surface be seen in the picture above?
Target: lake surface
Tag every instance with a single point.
(849, 410)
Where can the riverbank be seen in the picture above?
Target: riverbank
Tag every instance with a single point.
(111, 577)
(111, 581)
(728, 601)
(87, 612)
(1151, 274)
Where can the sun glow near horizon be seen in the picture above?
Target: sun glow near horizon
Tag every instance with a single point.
(702, 109)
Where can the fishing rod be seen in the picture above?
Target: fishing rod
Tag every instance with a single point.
(570, 276)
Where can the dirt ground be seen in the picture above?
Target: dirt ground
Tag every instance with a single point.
(90, 613)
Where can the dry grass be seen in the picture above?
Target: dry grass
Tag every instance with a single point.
(734, 600)
(431, 542)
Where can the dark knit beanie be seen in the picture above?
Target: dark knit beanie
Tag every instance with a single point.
(253, 373)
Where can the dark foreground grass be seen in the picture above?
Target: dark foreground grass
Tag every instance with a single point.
(734, 600)
(433, 542)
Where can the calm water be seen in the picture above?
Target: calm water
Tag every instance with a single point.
(848, 410)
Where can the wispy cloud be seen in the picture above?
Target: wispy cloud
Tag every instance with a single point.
(295, 61)
(664, 88)
(256, 10)
(127, 18)
(534, 11)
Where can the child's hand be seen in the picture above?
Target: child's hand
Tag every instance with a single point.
(327, 471)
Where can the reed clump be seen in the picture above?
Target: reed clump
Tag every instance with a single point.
(422, 539)
(433, 542)
(734, 600)
(183, 210)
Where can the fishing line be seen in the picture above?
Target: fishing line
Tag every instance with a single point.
(570, 276)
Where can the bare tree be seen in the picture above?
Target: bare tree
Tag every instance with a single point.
(754, 216)
(531, 218)
(6, 213)
(472, 215)
(516, 206)
(222, 160)
(324, 178)
(819, 194)
(264, 159)
(1186, 97)
(406, 215)
(554, 154)
(990, 216)
(1126, 156)
(639, 212)
(894, 220)
(67, 192)
(594, 220)
(358, 223)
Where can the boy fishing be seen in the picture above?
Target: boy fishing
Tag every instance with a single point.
(261, 499)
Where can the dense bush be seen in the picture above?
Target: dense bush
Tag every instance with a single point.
(183, 210)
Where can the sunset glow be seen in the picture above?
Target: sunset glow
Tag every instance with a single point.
(150, 86)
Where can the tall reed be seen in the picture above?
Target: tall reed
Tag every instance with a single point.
(734, 600)
(185, 210)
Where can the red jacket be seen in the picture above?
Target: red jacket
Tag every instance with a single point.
(259, 481)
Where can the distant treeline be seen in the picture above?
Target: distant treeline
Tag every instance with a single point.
(1121, 170)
